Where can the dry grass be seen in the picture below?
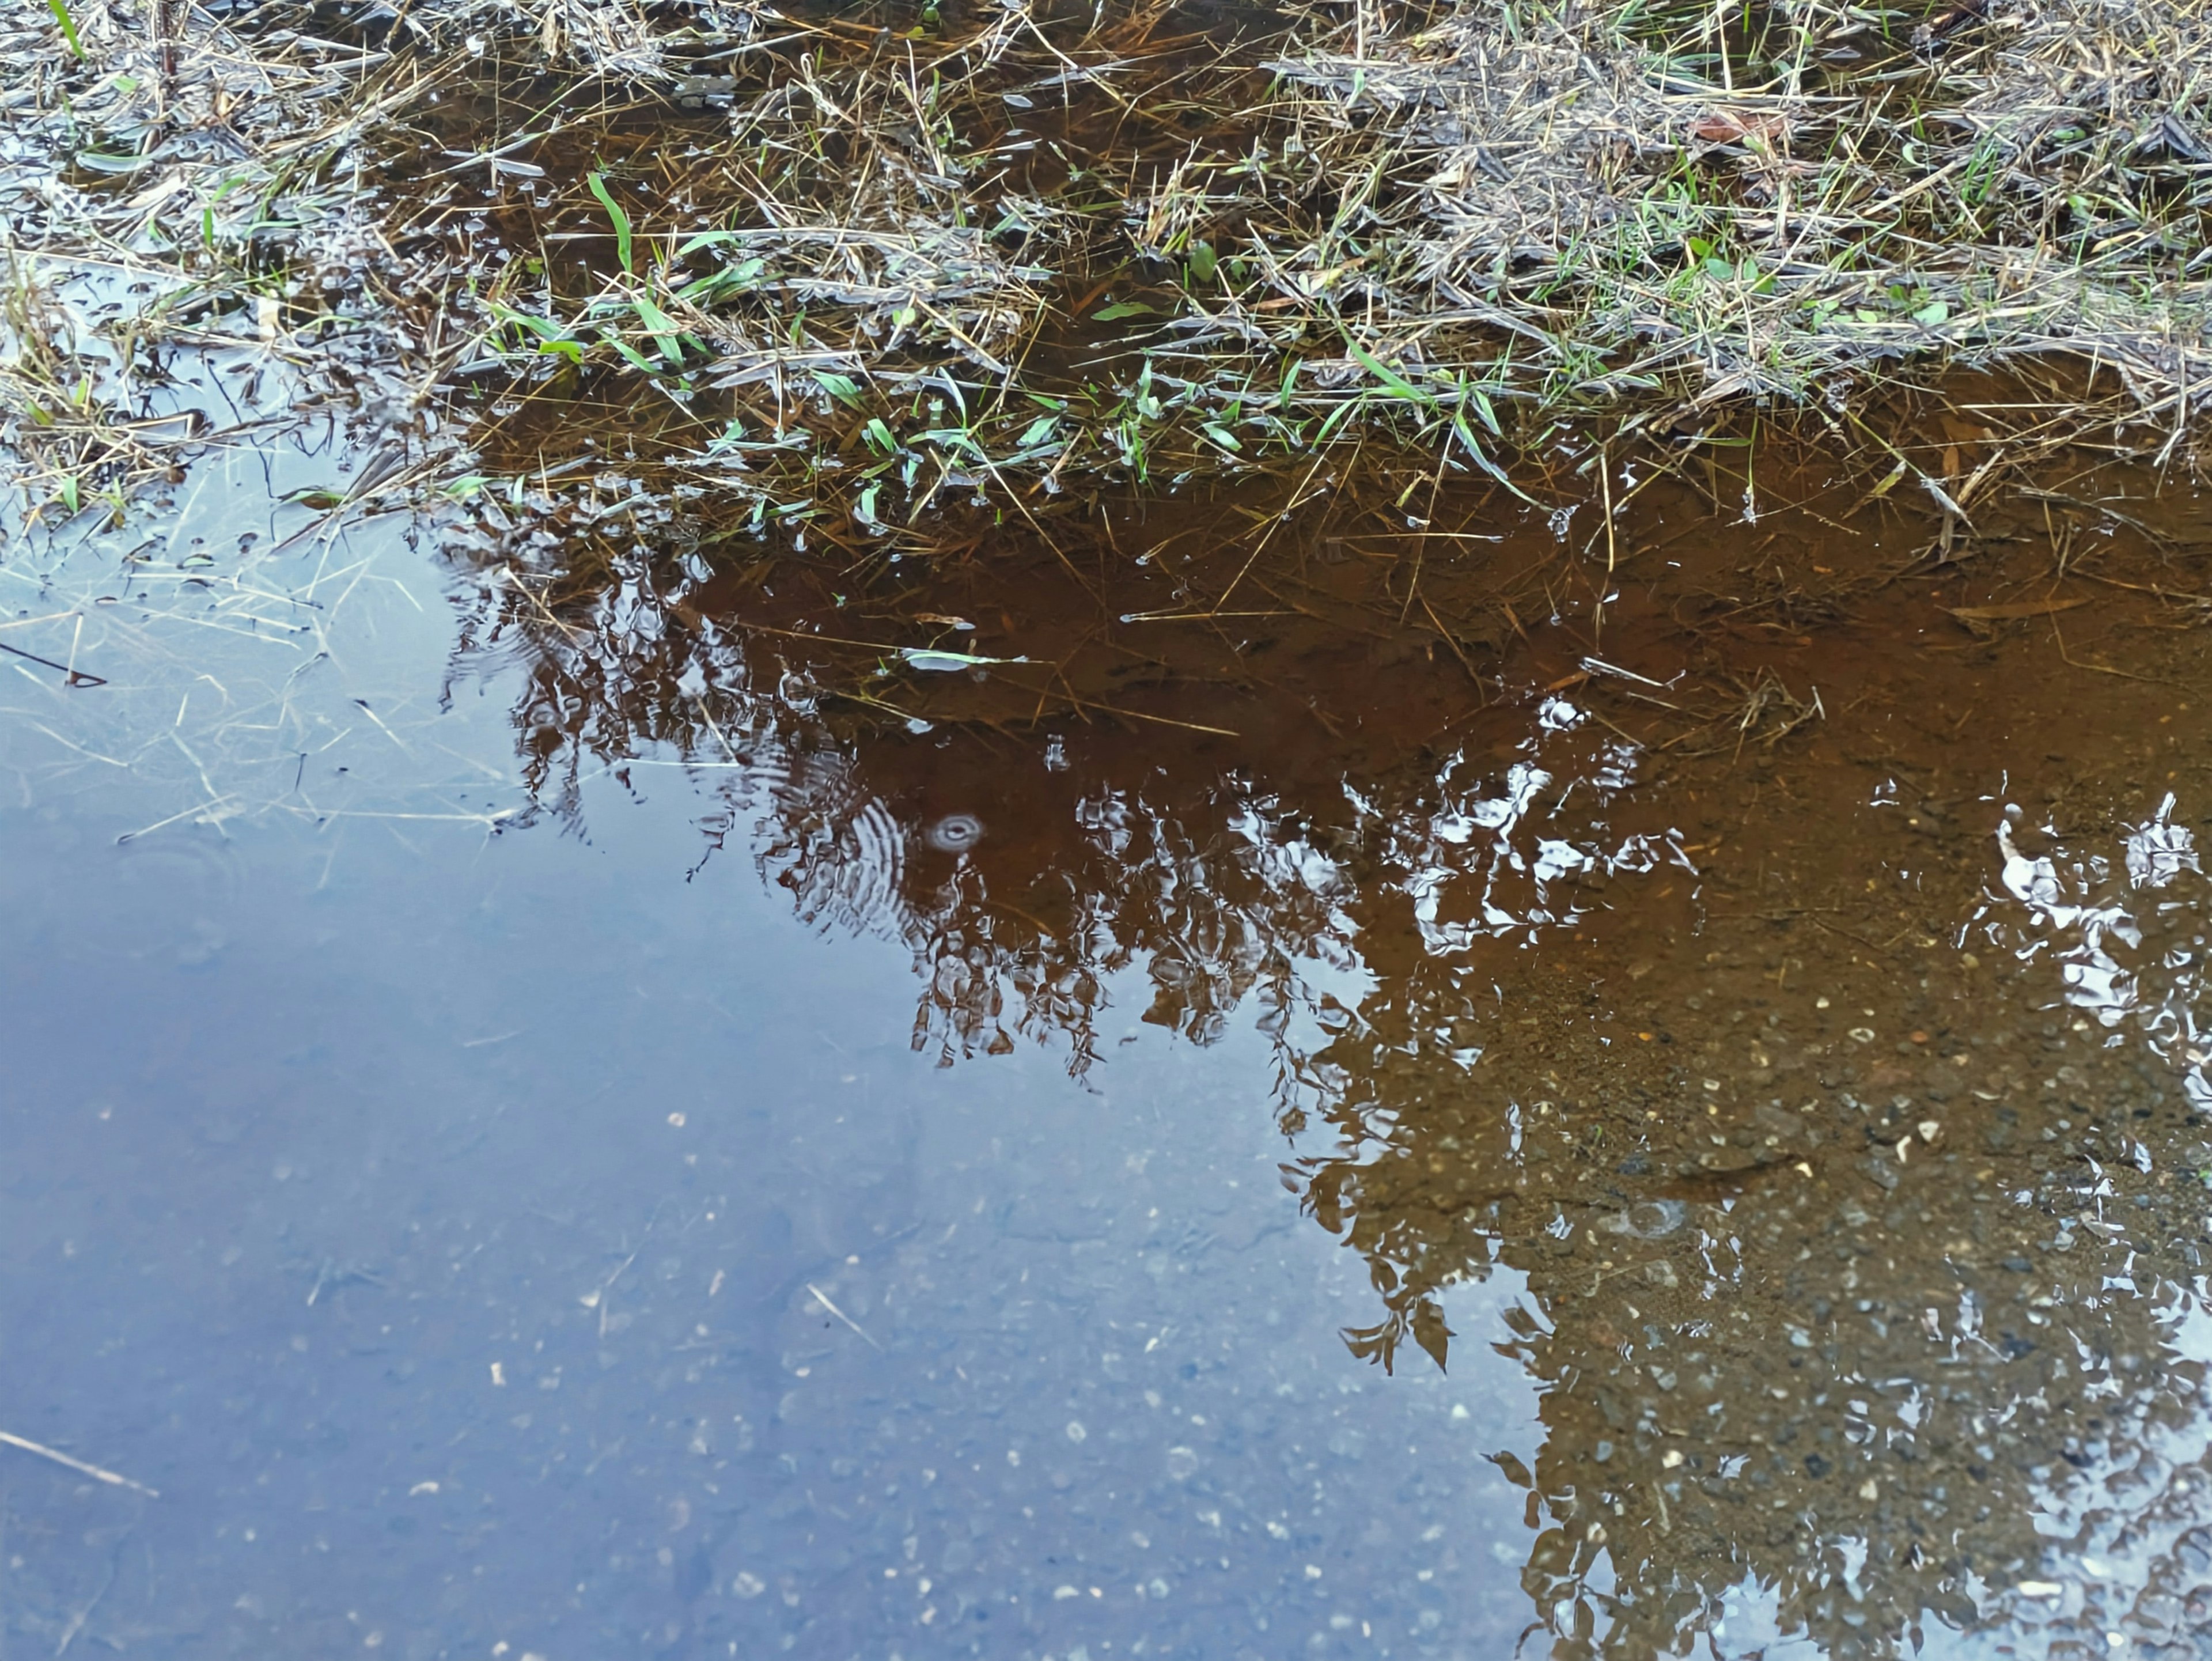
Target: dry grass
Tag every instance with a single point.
(838, 275)
(1463, 239)
(1637, 196)
(188, 258)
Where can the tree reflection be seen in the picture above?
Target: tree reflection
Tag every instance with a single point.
(1839, 1130)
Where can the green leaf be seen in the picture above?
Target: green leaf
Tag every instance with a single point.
(552, 338)
(60, 9)
(958, 440)
(1337, 416)
(543, 328)
(1398, 386)
(740, 278)
(707, 240)
(598, 181)
(1933, 315)
(880, 435)
(1203, 262)
(1124, 308)
(1465, 434)
(844, 388)
(636, 359)
(108, 161)
(1480, 399)
(662, 328)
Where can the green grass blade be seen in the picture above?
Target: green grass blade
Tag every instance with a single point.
(598, 181)
(61, 11)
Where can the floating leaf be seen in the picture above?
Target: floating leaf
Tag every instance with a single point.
(103, 161)
(930, 658)
(2015, 612)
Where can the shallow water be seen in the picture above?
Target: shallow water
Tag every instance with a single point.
(1414, 1095)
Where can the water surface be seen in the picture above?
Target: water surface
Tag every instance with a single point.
(1627, 1095)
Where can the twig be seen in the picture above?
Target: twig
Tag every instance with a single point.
(60, 1458)
(822, 1299)
(75, 677)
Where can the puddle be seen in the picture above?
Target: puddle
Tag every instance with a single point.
(1620, 1085)
(1337, 1062)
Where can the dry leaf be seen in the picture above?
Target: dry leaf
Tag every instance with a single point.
(1732, 127)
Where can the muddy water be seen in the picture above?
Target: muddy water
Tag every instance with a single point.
(1604, 1084)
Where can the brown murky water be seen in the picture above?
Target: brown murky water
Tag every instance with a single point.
(1336, 1070)
(1770, 939)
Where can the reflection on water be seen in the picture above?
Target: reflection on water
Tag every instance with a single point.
(1861, 1267)
(2095, 920)
(816, 1179)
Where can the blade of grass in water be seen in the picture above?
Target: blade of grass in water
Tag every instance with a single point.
(598, 181)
